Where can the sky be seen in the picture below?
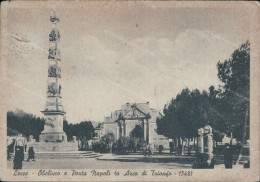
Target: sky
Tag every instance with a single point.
(117, 52)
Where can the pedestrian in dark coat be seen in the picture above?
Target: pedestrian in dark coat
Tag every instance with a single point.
(144, 148)
(228, 157)
(18, 158)
(31, 154)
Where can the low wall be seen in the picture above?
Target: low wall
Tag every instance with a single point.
(54, 146)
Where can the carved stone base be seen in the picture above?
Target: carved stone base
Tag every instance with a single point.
(54, 146)
(53, 137)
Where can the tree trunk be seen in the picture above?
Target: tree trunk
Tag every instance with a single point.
(194, 143)
(189, 147)
(179, 146)
(182, 147)
(175, 143)
(231, 137)
(243, 138)
(197, 144)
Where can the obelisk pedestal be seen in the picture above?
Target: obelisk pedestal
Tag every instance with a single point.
(53, 128)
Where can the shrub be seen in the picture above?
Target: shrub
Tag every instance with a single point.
(125, 145)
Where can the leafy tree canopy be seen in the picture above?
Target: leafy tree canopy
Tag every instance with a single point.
(188, 112)
(28, 124)
(234, 73)
(137, 132)
(24, 123)
(224, 109)
(83, 130)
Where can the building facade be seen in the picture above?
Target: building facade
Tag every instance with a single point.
(122, 122)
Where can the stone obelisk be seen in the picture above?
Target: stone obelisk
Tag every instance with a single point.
(54, 113)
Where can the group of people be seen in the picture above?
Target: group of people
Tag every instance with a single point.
(20, 146)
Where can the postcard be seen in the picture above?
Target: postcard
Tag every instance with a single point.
(129, 91)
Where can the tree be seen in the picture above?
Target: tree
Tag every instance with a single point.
(22, 122)
(28, 124)
(235, 95)
(137, 132)
(188, 112)
(105, 143)
(108, 138)
(185, 114)
(125, 145)
(83, 130)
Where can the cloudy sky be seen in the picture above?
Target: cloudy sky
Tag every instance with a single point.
(118, 52)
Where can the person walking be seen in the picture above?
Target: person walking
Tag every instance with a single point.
(19, 151)
(228, 157)
(18, 157)
(144, 148)
(31, 154)
(171, 148)
(149, 149)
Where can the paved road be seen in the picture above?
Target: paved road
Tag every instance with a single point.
(110, 162)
